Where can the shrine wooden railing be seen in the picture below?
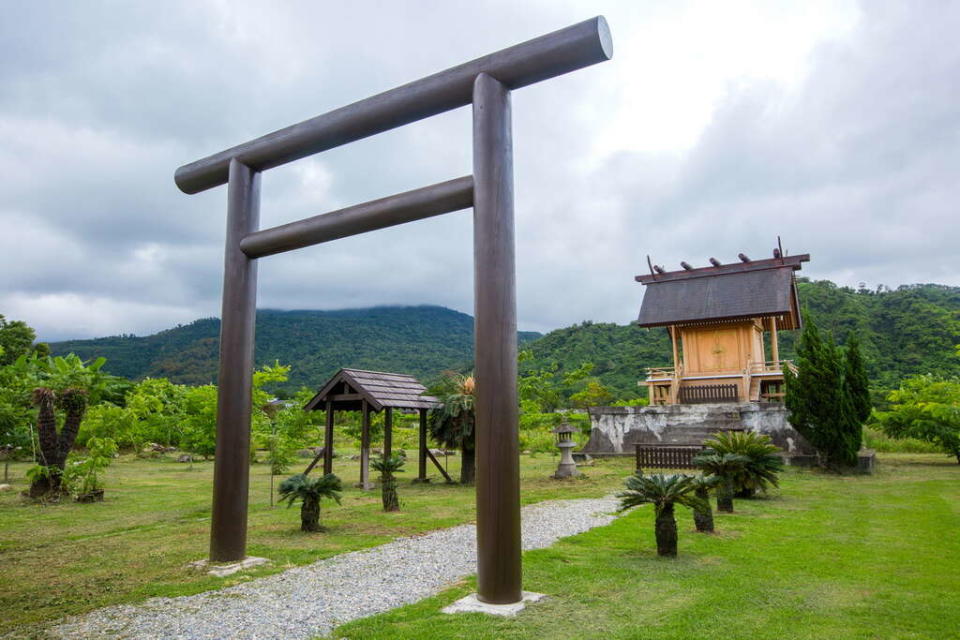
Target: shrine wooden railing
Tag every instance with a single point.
(772, 366)
(661, 372)
(708, 393)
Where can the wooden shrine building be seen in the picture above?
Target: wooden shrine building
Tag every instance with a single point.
(718, 317)
(369, 392)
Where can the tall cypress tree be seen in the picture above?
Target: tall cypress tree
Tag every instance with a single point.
(819, 401)
(858, 385)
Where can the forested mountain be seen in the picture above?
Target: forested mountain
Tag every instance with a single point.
(913, 329)
(421, 340)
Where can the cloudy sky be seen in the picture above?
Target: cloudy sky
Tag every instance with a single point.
(715, 128)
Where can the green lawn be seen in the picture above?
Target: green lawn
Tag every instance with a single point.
(827, 558)
(71, 558)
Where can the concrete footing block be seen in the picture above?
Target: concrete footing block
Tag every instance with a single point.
(227, 569)
(471, 604)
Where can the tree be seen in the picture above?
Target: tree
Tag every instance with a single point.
(819, 402)
(763, 465)
(727, 467)
(310, 491)
(387, 466)
(200, 420)
(55, 447)
(67, 384)
(16, 339)
(858, 384)
(925, 407)
(452, 424)
(663, 492)
(594, 394)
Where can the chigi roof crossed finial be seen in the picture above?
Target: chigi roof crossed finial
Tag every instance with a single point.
(740, 290)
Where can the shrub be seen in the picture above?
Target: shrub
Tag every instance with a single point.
(310, 491)
(663, 492)
(727, 467)
(387, 466)
(926, 408)
(760, 473)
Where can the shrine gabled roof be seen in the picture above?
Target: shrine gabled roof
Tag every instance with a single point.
(349, 387)
(761, 288)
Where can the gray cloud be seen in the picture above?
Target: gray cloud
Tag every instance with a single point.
(854, 162)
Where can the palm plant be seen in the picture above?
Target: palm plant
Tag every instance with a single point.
(310, 491)
(760, 473)
(663, 492)
(703, 514)
(727, 467)
(387, 466)
(452, 424)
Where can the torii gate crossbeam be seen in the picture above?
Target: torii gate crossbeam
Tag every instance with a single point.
(485, 83)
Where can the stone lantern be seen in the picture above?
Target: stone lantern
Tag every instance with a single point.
(567, 467)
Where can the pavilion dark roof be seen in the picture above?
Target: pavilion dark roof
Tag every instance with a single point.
(760, 288)
(349, 387)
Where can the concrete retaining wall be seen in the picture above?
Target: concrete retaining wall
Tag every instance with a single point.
(615, 430)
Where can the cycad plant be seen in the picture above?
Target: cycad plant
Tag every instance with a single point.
(727, 467)
(760, 473)
(663, 492)
(310, 491)
(54, 446)
(702, 513)
(387, 466)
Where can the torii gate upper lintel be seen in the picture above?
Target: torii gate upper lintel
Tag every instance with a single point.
(485, 83)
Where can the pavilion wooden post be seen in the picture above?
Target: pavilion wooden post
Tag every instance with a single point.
(231, 469)
(365, 446)
(495, 397)
(422, 453)
(328, 440)
(387, 432)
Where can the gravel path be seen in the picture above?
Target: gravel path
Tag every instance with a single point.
(308, 601)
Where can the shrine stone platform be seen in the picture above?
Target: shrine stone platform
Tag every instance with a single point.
(616, 430)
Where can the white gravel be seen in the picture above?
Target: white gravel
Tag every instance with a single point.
(308, 601)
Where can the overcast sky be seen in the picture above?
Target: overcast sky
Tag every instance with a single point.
(716, 127)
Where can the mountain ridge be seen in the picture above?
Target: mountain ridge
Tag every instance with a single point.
(422, 340)
(908, 330)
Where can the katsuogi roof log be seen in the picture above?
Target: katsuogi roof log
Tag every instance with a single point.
(747, 289)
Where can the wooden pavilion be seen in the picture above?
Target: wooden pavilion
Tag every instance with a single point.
(717, 317)
(374, 391)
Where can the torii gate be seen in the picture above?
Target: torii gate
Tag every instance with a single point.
(486, 83)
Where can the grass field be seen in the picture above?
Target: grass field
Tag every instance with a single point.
(837, 558)
(71, 558)
(825, 557)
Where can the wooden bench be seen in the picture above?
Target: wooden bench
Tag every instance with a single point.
(666, 456)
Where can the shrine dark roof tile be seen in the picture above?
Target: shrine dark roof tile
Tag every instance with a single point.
(763, 288)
